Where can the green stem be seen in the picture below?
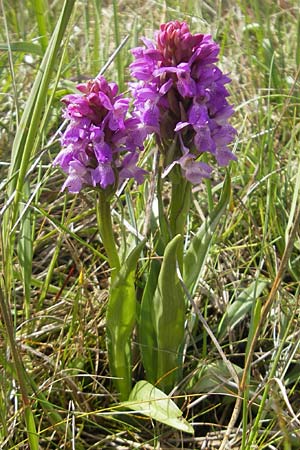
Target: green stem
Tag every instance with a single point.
(164, 229)
(103, 212)
(210, 200)
(207, 181)
(179, 208)
(120, 314)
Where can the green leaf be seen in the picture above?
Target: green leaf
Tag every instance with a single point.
(152, 402)
(238, 309)
(147, 333)
(195, 257)
(214, 377)
(120, 320)
(169, 317)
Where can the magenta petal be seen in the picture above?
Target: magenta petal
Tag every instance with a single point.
(198, 114)
(64, 158)
(105, 101)
(103, 175)
(166, 87)
(181, 125)
(78, 175)
(223, 156)
(130, 170)
(194, 171)
(151, 117)
(103, 152)
(203, 140)
(73, 183)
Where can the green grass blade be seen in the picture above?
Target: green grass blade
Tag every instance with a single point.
(96, 39)
(11, 64)
(298, 42)
(117, 42)
(261, 407)
(41, 10)
(28, 129)
(21, 374)
(31, 429)
(22, 47)
(65, 229)
(25, 252)
(215, 377)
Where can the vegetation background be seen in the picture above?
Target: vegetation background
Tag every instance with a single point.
(54, 277)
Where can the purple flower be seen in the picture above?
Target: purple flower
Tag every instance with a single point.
(180, 96)
(100, 144)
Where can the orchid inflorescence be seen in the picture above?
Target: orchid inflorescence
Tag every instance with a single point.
(179, 95)
(100, 144)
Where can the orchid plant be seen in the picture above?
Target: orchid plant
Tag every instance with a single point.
(179, 96)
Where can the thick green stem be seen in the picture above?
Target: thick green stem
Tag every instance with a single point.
(179, 208)
(120, 315)
(207, 181)
(210, 202)
(106, 232)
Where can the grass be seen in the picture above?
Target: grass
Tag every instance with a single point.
(55, 390)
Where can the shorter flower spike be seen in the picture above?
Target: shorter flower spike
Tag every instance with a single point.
(180, 95)
(100, 144)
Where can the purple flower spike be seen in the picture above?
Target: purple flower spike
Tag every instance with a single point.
(100, 144)
(180, 94)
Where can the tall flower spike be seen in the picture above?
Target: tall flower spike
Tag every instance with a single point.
(100, 144)
(180, 95)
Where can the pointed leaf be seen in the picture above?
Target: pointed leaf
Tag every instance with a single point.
(154, 403)
(237, 310)
(120, 320)
(147, 330)
(169, 317)
(214, 377)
